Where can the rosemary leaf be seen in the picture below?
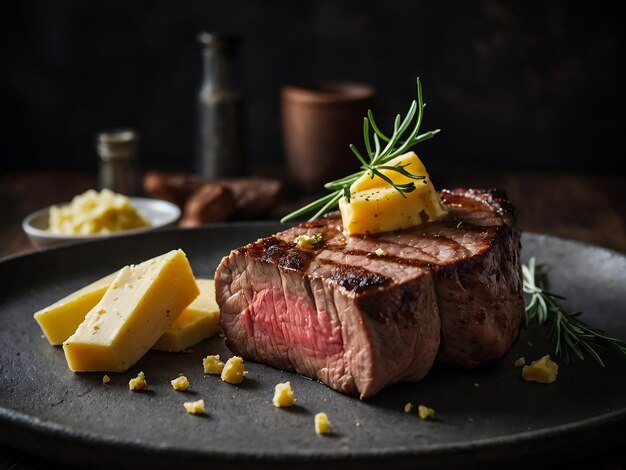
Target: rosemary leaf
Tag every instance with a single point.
(400, 169)
(310, 207)
(340, 183)
(366, 138)
(401, 188)
(358, 154)
(376, 143)
(331, 203)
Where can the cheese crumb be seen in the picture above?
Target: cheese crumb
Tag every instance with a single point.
(425, 412)
(408, 407)
(233, 371)
(380, 252)
(307, 242)
(180, 383)
(283, 395)
(194, 407)
(520, 362)
(138, 383)
(322, 424)
(106, 379)
(542, 370)
(213, 365)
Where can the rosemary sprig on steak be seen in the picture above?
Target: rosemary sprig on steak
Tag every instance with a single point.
(568, 333)
(377, 157)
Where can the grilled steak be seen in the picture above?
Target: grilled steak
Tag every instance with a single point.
(361, 312)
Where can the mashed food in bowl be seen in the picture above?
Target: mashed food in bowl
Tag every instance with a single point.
(95, 213)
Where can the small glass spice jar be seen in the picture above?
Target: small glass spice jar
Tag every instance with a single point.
(117, 149)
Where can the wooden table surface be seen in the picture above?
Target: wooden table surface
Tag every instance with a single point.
(590, 208)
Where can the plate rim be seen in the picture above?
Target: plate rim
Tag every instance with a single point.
(542, 438)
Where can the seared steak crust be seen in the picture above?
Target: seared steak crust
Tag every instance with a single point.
(480, 299)
(362, 312)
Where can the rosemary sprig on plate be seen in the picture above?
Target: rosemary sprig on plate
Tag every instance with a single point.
(377, 157)
(568, 333)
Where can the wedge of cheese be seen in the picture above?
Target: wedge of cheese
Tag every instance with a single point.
(141, 303)
(60, 320)
(199, 321)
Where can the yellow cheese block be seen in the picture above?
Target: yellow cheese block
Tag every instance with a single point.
(375, 206)
(60, 320)
(199, 321)
(142, 302)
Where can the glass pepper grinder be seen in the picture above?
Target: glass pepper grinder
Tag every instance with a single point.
(117, 149)
(220, 120)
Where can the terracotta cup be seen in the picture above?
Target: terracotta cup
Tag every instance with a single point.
(319, 122)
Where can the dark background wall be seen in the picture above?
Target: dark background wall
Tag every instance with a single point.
(513, 85)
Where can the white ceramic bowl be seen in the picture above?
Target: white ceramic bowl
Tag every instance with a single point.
(159, 213)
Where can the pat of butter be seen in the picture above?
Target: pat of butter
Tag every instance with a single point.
(375, 206)
(135, 311)
(200, 320)
(60, 320)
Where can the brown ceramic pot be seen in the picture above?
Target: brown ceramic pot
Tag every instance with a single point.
(320, 121)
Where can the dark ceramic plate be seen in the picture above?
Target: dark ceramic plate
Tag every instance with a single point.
(485, 415)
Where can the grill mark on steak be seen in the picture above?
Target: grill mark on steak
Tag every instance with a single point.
(273, 250)
(296, 260)
(287, 256)
(354, 279)
(436, 237)
(391, 258)
(468, 265)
